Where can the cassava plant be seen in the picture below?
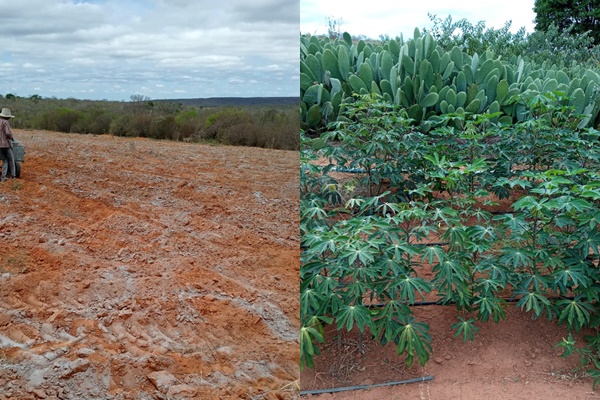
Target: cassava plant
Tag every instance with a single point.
(420, 201)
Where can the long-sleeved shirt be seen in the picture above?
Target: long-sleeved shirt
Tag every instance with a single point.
(5, 134)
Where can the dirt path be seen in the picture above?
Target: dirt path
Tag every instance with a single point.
(140, 269)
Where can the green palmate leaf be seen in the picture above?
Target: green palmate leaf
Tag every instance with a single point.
(325, 284)
(571, 276)
(310, 301)
(335, 302)
(388, 208)
(592, 220)
(466, 328)
(516, 257)
(490, 306)
(354, 203)
(307, 349)
(535, 281)
(554, 262)
(457, 236)
(431, 252)
(387, 264)
(594, 373)
(436, 160)
(570, 204)
(451, 270)
(516, 224)
(591, 194)
(493, 269)
(536, 301)
(591, 243)
(575, 312)
(315, 212)
(366, 273)
(413, 338)
(445, 214)
(357, 289)
(364, 253)
(349, 315)
(395, 309)
(479, 246)
(409, 285)
(568, 345)
(385, 329)
(522, 183)
(479, 232)
(310, 268)
(530, 203)
(319, 245)
(490, 285)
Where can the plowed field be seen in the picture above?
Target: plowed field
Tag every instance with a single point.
(141, 269)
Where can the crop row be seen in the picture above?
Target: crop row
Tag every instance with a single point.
(376, 236)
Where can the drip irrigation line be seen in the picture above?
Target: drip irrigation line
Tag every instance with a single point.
(431, 303)
(362, 387)
(430, 244)
(435, 303)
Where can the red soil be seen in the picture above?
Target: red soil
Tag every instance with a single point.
(136, 269)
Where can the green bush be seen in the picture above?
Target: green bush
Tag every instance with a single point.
(186, 124)
(94, 120)
(477, 38)
(60, 119)
(256, 136)
(218, 125)
(140, 125)
(163, 127)
(120, 126)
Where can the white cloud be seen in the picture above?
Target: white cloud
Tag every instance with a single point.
(82, 61)
(386, 17)
(117, 46)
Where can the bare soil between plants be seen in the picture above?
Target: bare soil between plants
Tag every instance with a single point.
(514, 359)
(140, 269)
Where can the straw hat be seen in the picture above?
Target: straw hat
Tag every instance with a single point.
(6, 113)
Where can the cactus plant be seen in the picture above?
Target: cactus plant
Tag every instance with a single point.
(419, 76)
(430, 100)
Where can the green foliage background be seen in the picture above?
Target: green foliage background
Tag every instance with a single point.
(579, 17)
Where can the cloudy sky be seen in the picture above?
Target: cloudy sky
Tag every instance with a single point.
(163, 49)
(373, 18)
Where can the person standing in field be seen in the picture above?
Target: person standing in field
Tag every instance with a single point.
(6, 139)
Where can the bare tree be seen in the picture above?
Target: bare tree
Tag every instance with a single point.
(141, 104)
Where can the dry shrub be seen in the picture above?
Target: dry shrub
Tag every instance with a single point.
(266, 136)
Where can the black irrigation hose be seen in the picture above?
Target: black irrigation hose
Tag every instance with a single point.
(362, 387)
(431, 303)
(435, 303)
(430, 244)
